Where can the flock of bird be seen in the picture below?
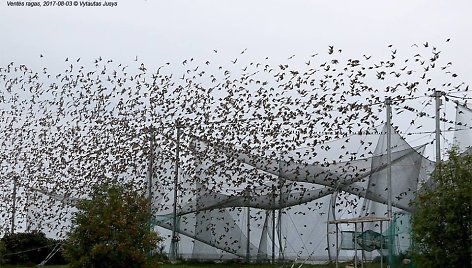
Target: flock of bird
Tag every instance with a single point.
(62, 133)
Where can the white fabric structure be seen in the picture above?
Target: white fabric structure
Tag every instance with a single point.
(288, 213)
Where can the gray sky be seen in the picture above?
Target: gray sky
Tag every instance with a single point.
(159, 31)
(171, 31)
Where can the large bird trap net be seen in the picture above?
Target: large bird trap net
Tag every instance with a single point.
(267, 153)
(269, 220)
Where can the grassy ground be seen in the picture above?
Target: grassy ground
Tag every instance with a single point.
(188, 265)
(20, 266)
(225, 265)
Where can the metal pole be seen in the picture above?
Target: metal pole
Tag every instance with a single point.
(175, 240)
(273, 224)
(363, 242)
(381, 245)
(28, 212)
(337, 246)
(279, 219)
(437, 97)
(355, 245)
(331, 211)
(248, 244)
(13, 212)
(388, 103)
(279, 234)
(150, 169)
(149, 174)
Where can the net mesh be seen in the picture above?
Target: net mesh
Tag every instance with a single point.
(219, 220)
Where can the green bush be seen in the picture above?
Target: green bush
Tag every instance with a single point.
(111, 230)
(441, 225)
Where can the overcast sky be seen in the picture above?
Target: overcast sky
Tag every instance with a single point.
(170, 31)
(159, 31)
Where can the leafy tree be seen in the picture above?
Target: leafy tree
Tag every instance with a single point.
(442, 219)
(111, 229)
(3, 250)
(28, 248)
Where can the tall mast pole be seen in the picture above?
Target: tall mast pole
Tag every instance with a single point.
(273, 223)
(150, 168)
(437, 97)
(279, 220)
(149, 174)
(388, 103)
(175, 239)
(248, 220)
(13, 211)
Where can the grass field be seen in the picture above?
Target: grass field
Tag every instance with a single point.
(226, 265)
(186, 265)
